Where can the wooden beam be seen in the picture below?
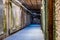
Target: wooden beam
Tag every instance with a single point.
(37, 3)
(31, 3)
(50, 19)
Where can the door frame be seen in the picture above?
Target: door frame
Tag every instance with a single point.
(47, 19)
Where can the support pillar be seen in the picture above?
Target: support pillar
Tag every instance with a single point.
(50, 19)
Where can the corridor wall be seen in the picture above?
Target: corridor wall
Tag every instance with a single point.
(12, 17)
(25, 18)
(57, 20)
(15, 17)
(20, 18)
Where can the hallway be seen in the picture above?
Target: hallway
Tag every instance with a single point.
(31, 32)
(17, 14)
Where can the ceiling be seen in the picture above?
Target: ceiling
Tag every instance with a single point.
(31, 4)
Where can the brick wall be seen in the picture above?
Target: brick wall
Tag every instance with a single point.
(57, 18)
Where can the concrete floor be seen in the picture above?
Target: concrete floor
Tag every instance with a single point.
(31, 32)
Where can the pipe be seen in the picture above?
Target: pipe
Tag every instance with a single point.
(20, 4)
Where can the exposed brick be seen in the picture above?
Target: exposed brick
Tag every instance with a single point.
(57, 16)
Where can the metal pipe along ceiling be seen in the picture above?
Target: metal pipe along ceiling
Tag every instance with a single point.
(19, 4)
